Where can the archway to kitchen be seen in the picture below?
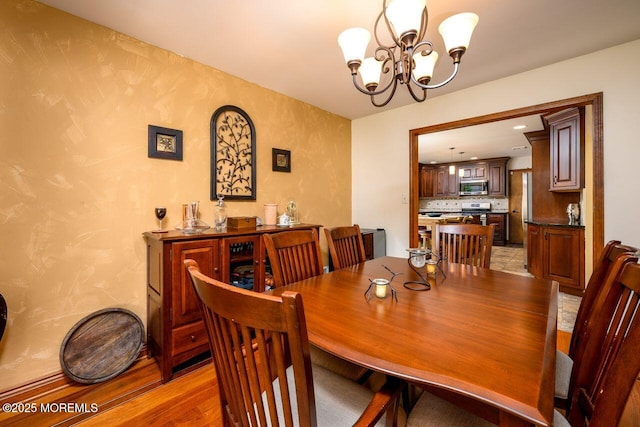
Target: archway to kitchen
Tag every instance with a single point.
(596, 226)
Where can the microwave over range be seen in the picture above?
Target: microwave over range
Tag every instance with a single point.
(474, 187)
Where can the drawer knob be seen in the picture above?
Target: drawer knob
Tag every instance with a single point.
(193, 338)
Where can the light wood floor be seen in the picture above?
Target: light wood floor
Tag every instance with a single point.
(189, 400)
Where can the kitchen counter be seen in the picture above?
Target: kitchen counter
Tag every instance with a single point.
(428, 221)
(555, 224)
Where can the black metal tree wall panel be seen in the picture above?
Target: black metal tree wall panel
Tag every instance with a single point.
(233, 154)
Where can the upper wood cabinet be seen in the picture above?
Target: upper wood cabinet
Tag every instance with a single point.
(426, 181)
(566, 150)
(497, 178)
(473, 171)
(445, 184)
(436, 181)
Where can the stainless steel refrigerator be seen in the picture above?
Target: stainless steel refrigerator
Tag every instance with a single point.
(527, 182)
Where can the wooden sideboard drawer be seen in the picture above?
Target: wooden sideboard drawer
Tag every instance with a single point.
(188, 337)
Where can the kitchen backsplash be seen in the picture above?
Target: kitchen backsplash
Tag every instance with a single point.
(498, 205)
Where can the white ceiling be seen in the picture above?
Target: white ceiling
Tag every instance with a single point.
(290, 46)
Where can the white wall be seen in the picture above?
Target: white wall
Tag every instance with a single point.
(380, 142)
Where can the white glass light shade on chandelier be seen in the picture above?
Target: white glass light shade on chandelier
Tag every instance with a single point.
(409, 60)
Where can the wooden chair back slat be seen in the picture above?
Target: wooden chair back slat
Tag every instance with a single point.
(254, 338)
(294, 255)
(464, 243)
(345, 246)
(590, 299)
(604, 374)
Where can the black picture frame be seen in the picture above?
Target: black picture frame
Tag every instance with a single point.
(165, 143)
(280, 160)
(233, 154)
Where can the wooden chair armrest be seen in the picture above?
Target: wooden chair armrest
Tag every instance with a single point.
(385, 400)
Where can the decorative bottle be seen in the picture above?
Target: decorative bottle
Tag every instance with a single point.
(220, 214)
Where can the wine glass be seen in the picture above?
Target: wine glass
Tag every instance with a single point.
(161, 212)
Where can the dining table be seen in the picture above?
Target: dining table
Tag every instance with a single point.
(486, 336)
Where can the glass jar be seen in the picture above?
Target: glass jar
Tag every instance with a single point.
(220, 215)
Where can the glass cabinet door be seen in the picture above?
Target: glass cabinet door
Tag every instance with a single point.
(244, 262)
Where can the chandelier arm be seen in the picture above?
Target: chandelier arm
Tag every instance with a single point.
(426, 45)
(423, 24)
(413, 94)
(393, 91)
(435, 86)
(388, 24)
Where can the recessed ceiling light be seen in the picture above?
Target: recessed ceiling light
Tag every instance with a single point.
(433, 162)
(473, 158)
(519, 127)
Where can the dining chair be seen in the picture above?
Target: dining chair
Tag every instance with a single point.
(295, 255)
(345, 246)
(464, 243)
(588, 307)
(606, 374)
(260, 350)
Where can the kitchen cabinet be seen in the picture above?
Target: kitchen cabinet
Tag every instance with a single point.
(534, 250)
(426, 181)
(567, 148)
(559, 249)
(499, 221)
(175, 330)
(498, 178)
(445, 184)
(493, 170)
(473, 171)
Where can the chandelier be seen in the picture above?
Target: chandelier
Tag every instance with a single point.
(409, 60)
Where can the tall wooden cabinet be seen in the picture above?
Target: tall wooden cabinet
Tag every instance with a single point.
(175, 330)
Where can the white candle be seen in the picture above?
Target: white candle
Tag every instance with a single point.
(381, 287)
(431, 266)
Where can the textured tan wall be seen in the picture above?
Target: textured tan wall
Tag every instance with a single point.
(77, 188)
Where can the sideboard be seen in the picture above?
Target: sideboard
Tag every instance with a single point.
(175, 330)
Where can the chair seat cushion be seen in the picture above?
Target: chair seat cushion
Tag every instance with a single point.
(559, 420)
(564, 365)
(339, 401)
(432, 411)
(335, 364)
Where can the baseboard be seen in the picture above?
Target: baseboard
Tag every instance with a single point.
(142, 376)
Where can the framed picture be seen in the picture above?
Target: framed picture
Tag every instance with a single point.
(165, 143)
(233, 154)
(280, 160)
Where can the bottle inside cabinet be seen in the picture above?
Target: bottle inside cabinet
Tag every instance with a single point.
(246, 265)
(241, 266)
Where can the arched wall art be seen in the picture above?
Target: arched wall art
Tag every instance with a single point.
(233, 154)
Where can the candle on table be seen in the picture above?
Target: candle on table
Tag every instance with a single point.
(381, 287)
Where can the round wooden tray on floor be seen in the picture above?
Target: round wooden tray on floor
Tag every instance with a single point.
(102, 345)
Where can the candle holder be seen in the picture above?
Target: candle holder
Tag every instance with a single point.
(418, 260)
(382, 287)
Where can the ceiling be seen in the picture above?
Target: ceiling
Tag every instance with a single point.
(290, 46)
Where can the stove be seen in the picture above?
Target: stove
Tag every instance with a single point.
(480, 210)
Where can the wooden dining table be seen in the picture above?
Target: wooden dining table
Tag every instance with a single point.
(483, 335)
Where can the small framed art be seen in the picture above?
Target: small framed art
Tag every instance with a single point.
(281, 160)
(165, 143)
